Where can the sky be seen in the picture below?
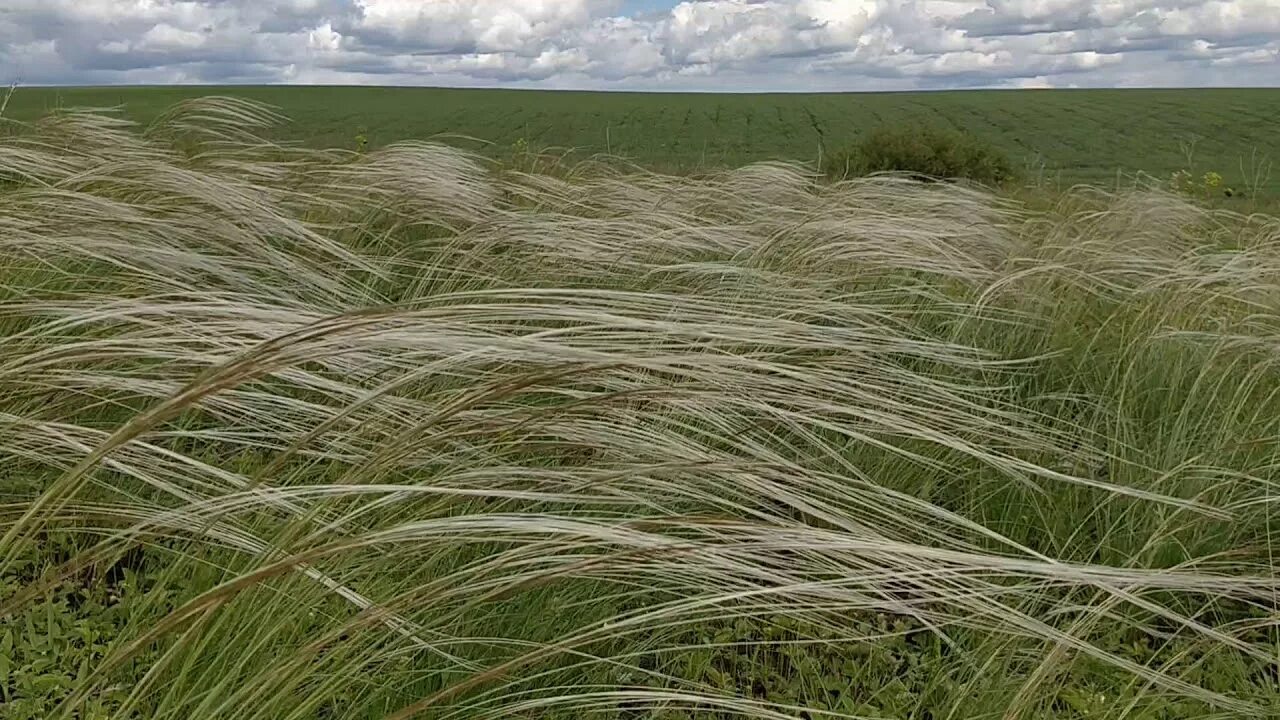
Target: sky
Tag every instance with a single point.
(702, 45)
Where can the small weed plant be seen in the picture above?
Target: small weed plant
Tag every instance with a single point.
(1207, 186)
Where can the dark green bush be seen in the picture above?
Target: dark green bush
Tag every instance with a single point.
(924, 152)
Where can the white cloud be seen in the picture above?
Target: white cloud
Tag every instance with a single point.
(732, 31)
(482, 26)
(324, 38)
(164, 37)
(695, 44)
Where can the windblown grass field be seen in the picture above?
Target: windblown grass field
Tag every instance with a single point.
(1055, 137)
(292, 434)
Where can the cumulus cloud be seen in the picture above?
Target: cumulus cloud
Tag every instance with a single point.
(646, 44)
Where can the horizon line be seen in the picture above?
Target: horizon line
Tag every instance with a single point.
(615, 91)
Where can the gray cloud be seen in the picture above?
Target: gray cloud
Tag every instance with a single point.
(697, 44)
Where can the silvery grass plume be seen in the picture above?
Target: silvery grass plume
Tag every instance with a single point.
(407, 435)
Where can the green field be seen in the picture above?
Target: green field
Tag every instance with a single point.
(294, 434)
(1064, 136)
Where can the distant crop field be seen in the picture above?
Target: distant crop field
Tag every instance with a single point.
(1060, 136)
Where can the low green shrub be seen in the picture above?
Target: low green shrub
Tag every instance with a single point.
(924, 152)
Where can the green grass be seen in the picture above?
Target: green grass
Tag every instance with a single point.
(1061, 137)
(296, 435)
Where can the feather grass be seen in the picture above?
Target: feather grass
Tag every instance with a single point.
(404, 435)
